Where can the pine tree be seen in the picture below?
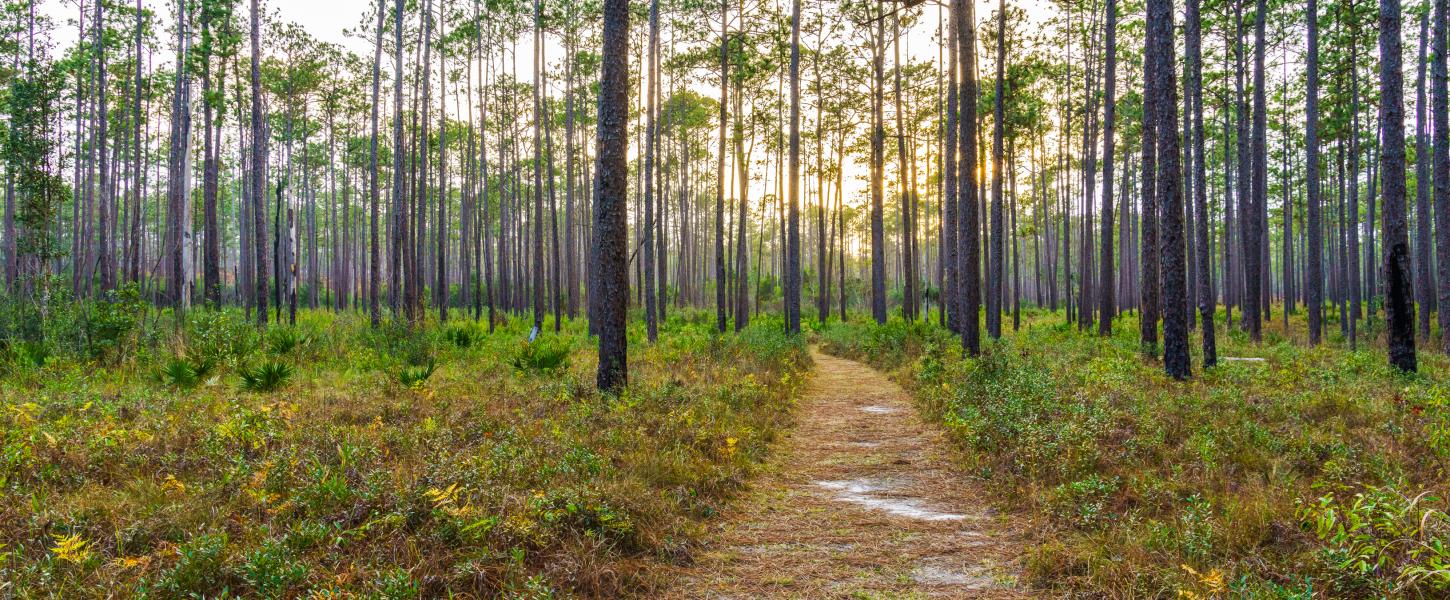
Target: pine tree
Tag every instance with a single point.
(1399, 305)
(610, 252)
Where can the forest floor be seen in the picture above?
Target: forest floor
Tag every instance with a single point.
(861, 501)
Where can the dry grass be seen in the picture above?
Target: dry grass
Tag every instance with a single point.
(483, 481)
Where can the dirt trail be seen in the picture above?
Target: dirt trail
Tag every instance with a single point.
(861, 502)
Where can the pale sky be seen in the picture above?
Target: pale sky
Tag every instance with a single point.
(326, 20)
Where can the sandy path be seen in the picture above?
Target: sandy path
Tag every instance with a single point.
(862, 502)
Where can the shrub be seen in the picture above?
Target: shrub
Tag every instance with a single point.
(272, 570)
(113, 321)
(462, 336)
(546, 354)
(395, 584)
(183, 372)
(219, 336)
(415, 375)
(1381, 542)
(199, 569)
(395, 340)
(267, 377)
(24, 353)
(282, 340)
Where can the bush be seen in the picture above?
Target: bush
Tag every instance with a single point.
(267, 377)
(286, 339)
(1381, 542)
(221, 337)
(544, 355)
(415, 375)
(463, 336)
(200, 568)
(184, 372)
(271, 570)
(113, 321)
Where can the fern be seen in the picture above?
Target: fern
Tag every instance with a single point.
(284, 340)
(268, 377)
(185, 373)
(415, 375)
(178, 374)
(542, 356)
(462, 337)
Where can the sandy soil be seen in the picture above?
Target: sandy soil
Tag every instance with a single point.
(862, 501)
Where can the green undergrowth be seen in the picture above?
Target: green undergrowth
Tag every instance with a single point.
(1314, 473)
(331, 460)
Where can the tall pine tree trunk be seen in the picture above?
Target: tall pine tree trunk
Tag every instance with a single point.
(1106, 310)
(1204, 271)
(1440, 107)
(259, 168)
(610, 255)
(374, 308)
(1170, 191)
(994, 239)
(793, 241)
(878, 158)
(968, 230)
(1399, 305)
(1424, 285)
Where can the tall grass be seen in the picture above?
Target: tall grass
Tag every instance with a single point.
(477, 480)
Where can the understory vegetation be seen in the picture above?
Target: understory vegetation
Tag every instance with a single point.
(330, 460)
(1298, 473)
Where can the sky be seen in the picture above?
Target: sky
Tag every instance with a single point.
(327, 20)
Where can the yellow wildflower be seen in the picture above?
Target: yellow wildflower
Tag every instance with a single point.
(173, 486)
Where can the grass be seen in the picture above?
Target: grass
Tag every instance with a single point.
(1319, 472)
(329, 460)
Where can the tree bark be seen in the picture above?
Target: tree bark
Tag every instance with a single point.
(1106, 309)
(793, 242)
(968, 231)
(1399, 306)
(1170, 190)
(1424, 285)
(1204, 272)
(611, 273)
(259, 168)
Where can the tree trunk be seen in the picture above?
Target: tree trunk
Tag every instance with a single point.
(721, 309)
(107, 254)
(1440, 107)
(651, 317)
(1170, 190)
(259, 168)
(1106, 310)
(374, 308)
(1314, 288)
(793, 242)
(1424, 285)
(968, 231)
(1399, 306)
(611, 273)
(1149, 251)
(878, 158)
(994, 239)
(1204, 272)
